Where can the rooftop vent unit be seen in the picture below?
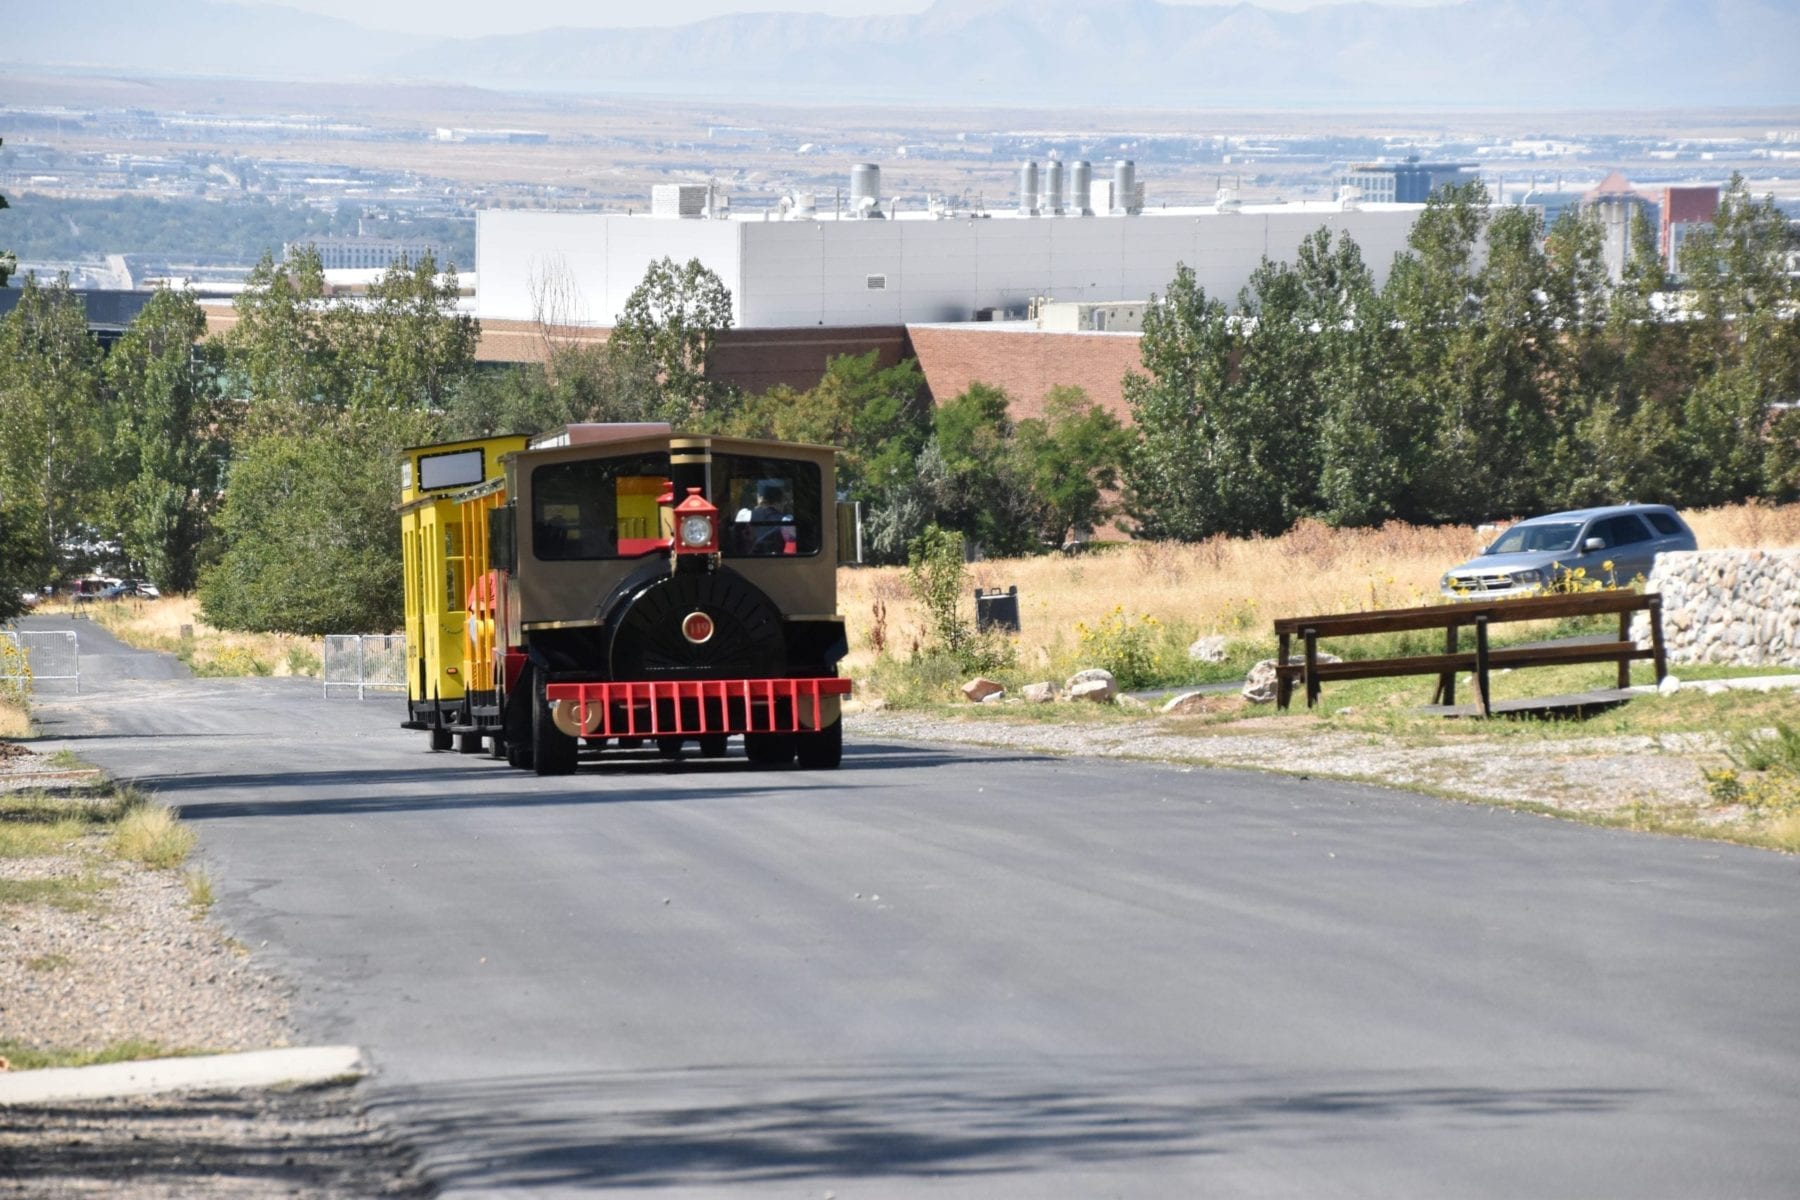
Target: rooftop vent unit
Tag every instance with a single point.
(1081, 185)
(1053, 188)
(1028, 189)
(1126, 200)
(865, 191)
(800, 206)
(681, 200)
(1227, 200)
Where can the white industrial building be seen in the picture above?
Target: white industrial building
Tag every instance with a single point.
(863, 264)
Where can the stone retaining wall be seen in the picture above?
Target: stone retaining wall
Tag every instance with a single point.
(1728, 606)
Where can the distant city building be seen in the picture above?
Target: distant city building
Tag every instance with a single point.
(1684, 209)
(1118, 316)
(1409, 182)
(109, 311)
(865, 261)
(513, 137)
(367, 253)
(1615, 203)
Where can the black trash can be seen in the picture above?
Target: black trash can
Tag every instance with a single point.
(997, 610)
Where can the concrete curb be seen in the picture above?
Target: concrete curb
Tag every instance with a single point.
(213, 1072)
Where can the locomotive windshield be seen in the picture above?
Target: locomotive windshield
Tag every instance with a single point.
(771, 505)
(598, 507)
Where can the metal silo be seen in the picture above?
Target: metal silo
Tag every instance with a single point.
(1124, 186)
(865, 190)
(1081, 182)
(1053, 188)
(1028, 189)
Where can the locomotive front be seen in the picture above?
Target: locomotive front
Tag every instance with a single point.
(632, 586)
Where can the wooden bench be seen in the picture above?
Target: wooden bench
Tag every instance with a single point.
(1452, 618)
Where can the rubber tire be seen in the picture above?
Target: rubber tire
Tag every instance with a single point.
(441, 738)
(468, 743)
(821, 751)
(769, 749)
(515, 724)
(497, 746)
(553, 752)
(713, 745)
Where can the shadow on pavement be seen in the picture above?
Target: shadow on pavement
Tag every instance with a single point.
(635, 779)
(723, 1126)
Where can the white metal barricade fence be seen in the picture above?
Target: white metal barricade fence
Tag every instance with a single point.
(364, 661)
(41, 655)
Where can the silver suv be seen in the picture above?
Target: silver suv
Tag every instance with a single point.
(1612, 545)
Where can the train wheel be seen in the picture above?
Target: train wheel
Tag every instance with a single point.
(669, 747)
(553, 752)
(468, 743)
(440, 738)
(515, 725)
(769, 749)
(712, 746)
(821, 751)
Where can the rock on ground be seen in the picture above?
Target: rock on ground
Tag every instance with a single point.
(1259, 684)
(980, 688)
(1094, 683)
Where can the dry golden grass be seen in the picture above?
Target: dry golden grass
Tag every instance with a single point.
(1227, 586)
(150, 834)
(158, 625)
(15, 722)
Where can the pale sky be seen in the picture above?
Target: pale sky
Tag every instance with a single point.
(473, 18)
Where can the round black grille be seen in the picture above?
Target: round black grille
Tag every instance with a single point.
(645, 639)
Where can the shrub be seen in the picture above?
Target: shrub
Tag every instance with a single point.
(150, 834)
(1125, 645)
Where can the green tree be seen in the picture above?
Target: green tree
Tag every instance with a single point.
(988, 495)
(1513, 363)
(1072, 457)
(8, 263)
(51, 428)
(1745, 344)
(1372, 461)
(24, 566)
(1621, 435)
(877, 417)
(280, 348)
(1173, 479)
(668, 327)
(168, 442)
(408, 346)
(311, 543)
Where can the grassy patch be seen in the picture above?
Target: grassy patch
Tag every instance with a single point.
(34, 839)
(173, 625)
(200, 891)
(46, 963)
(34, 1058)
(149, 833)
(69, 893)
(15, 718)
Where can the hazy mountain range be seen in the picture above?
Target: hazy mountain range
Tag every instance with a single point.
(1111, 53)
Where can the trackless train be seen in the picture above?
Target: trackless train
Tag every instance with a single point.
(617, 585)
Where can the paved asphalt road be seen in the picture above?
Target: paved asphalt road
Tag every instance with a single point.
(951, 973)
